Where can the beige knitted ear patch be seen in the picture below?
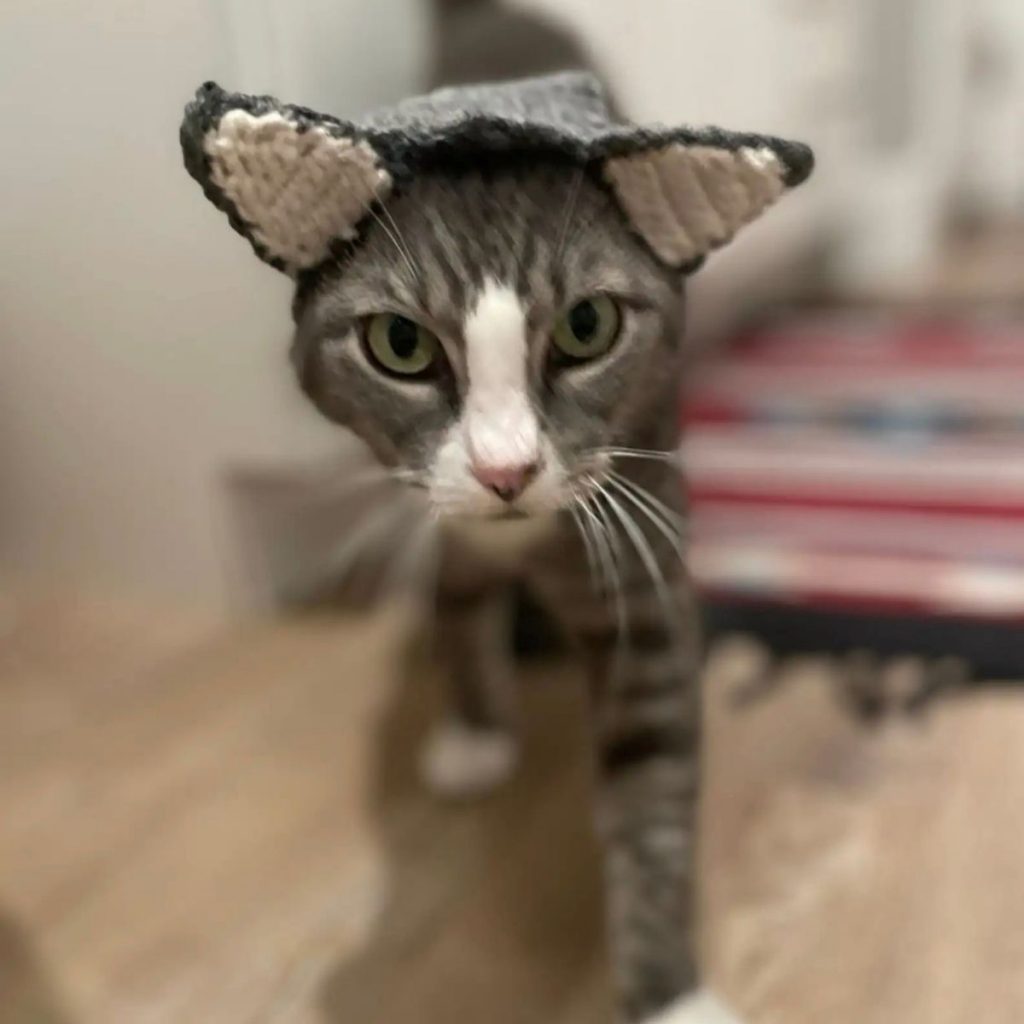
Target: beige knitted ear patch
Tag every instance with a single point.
(298, 189)
(685, 200)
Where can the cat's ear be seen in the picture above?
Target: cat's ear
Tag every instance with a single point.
(291, 181)
(689, 193)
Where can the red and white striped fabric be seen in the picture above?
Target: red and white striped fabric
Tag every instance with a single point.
(863, 463)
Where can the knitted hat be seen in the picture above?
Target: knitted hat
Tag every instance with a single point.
(300, 185)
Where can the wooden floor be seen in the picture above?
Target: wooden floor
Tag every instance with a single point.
(224, 826)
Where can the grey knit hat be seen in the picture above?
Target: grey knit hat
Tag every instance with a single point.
(300, 185)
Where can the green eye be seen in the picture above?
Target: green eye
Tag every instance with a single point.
(401, 346)
(587, 330)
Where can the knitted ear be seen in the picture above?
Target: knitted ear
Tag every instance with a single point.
(689, 196)
(292, 181)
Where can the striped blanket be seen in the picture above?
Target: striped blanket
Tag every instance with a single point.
(863, 463)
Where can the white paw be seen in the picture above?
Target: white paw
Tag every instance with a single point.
(701, 1008)
(459, 762)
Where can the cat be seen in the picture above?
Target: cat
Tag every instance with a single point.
(500, 319)
(559, 365)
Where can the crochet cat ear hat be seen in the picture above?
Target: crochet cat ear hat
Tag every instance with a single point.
(301, 185)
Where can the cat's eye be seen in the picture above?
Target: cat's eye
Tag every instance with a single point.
(586, 330)
(401, 346)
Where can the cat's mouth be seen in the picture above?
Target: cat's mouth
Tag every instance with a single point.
(509, 513)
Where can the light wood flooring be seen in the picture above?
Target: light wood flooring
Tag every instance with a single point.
(218, 826)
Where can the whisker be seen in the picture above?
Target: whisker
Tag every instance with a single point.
(671, 457)
(668, 514)
(586, 538)
(611, 578)
(374, 525)
(614, 560)
(401, 238)
(407, 561)
(338, 562)
(602, 545)
(335, 479)
(670, 526)
(672, 452)
(394, 241)
(570, 209)
(643, 549)
(429, 578)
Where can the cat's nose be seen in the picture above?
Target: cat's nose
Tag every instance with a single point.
(507, 482)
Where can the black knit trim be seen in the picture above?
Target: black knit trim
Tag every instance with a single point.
(205, 111)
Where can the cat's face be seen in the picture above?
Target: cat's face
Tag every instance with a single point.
(491, 334)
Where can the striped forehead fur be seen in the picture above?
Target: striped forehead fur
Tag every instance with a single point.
(534, 230)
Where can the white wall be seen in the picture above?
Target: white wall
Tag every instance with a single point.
(142, 346)
(729, 62)
(992, 152)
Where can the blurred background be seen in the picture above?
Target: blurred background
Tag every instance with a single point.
(183, 837)
(144, 352)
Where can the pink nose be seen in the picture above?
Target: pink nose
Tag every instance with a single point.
(507, 482)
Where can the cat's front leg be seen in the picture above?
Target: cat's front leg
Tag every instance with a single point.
(646, 711)
(474, 746)
(647, 748)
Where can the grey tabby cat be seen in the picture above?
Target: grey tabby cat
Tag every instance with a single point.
(490, 293)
